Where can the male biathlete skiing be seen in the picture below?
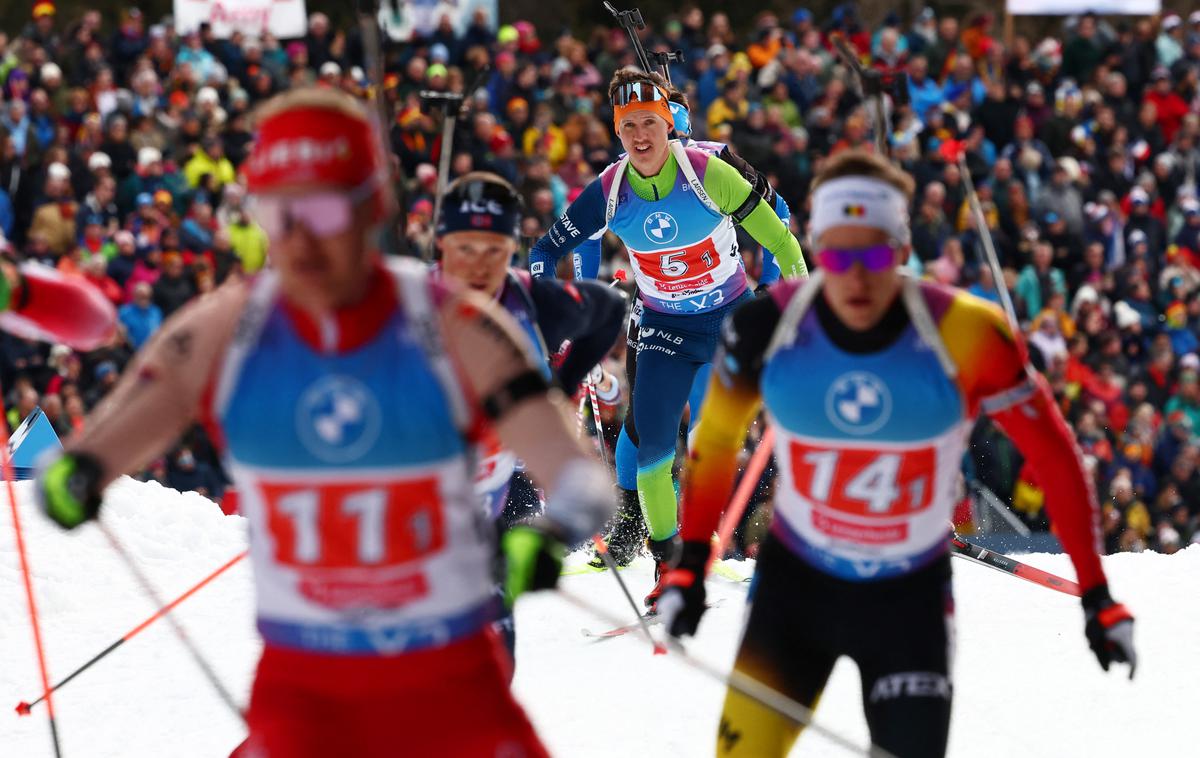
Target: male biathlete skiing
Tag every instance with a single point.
(872, 380)
(628, 536)
(674, 207)
(476, 239)
(347, 396)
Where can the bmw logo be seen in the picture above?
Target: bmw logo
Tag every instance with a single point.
(338, 419)
(661, 228)
(858, 403)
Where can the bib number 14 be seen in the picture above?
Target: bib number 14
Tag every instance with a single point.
(864, 482)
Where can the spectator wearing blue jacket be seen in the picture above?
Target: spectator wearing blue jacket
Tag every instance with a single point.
(923, 92)
(141, 317)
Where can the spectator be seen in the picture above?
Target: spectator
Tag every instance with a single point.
(209, 160)
(174, 286)
(54, 220)
(1039, 281)
(141, 317)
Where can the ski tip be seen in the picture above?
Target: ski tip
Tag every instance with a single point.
(23, 708)
(660, 649)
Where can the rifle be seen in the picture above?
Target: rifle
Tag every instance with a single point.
(395, 233)
(452, 105)
(631, 21)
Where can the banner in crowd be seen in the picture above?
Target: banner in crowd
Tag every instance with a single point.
(1075, 7)
(402, 19)
(283, 18)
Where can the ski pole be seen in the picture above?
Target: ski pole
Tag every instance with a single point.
(26, 575)
(24, 708)
(739, 682)
(618, 277)
(148, 588)
(591, 391)
(745, 488)
(602, 548)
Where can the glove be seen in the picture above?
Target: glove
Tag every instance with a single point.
(69, 489)
(1109, 628)
(533, 559)
(683, 602)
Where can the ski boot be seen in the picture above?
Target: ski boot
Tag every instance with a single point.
(665, 553)
(626, 531)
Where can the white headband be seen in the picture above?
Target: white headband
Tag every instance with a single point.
(860, 201)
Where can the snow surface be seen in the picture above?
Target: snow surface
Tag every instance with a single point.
(1026, 684)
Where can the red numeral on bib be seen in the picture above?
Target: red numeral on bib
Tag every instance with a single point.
(343, 526)
(864, 482)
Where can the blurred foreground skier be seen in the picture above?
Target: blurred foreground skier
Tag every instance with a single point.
(348, 397)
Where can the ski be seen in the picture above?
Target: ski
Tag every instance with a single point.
(650, 617)
(1013, 567)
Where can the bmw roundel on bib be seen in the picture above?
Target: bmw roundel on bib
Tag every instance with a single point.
(661, 227)
(338, 419)
(858, 402)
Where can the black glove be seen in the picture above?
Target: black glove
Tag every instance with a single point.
(533, 560)
(683, 602)
(1109, 629)
(69, 489)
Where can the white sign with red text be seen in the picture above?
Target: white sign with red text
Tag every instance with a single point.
(282, 18)
(1074, 7)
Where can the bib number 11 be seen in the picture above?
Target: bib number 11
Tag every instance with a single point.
(339, 526)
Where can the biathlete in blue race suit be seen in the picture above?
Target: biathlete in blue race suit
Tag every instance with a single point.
(675, 208)
(347, 396)
(476, 235)
(625, 543)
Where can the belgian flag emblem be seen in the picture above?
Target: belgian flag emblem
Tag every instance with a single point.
(854, 211)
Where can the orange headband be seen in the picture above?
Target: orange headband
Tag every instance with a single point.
(660, 108)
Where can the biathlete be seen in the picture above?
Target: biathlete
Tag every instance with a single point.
(627, 537)
(476, 239)
(674, 207)
(347, 397)
(871, 379)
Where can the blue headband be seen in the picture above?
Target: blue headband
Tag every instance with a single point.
(480, 206)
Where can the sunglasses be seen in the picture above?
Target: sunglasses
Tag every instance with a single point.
(324, 214)
(640, 92)
(875, 259)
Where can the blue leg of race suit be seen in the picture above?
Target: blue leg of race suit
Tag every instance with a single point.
(626, 461)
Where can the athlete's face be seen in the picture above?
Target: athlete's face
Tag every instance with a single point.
(644, 137)
(859, 297)
(478, 260)
(322, 272)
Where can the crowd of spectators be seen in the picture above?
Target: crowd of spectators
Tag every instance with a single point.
(120, 147)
